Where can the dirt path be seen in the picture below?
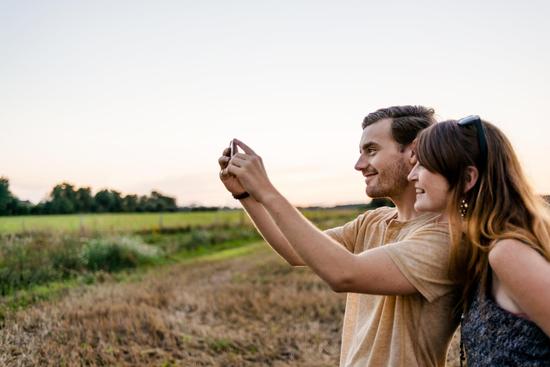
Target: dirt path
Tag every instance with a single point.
(251, 310)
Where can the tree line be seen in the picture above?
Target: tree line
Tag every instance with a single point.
(68, 199)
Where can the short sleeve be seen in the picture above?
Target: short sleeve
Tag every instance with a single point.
(347, 234)
(423, 258)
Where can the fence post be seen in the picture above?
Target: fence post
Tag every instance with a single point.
(81, 224)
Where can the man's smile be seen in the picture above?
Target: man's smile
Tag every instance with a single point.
(369, 176)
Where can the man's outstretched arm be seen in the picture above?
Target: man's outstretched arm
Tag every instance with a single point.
(370, 272)
(259, 216)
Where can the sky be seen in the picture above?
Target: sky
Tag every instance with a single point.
(144, 95)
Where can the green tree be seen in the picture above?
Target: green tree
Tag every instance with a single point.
(63, 199)
(103, 201)
(84, 200)
(22, 207)
(378, 202)
(5, 196)
(116, 205)
(130, 203)
(108, 201)
(9, 204)
(162, 203)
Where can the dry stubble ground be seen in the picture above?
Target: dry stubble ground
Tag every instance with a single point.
(251, 310)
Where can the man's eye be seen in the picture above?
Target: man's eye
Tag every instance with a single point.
(371, 151)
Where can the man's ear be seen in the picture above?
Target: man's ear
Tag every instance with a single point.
(472, 175)
(411, 153)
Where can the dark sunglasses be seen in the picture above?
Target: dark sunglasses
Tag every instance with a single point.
(476, 121)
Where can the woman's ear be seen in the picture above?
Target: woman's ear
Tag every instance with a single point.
(472, 175)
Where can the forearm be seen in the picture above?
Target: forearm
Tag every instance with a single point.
(328, 259)
(269, 231)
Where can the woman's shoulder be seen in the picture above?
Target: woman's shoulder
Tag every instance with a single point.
(508, 251)
(519, 267)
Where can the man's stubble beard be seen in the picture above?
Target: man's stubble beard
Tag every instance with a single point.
(392, 182)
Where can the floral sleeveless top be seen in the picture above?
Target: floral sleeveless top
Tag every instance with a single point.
(493, 336)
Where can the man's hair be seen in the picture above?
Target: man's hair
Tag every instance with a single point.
(407, 121)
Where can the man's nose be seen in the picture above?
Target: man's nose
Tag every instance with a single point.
(361, 163)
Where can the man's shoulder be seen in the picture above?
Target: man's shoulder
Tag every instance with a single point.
(429, 229)
(427, 222)
(373, 216)
(380, 214)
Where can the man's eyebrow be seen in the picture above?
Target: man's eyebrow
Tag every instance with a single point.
(368, 145)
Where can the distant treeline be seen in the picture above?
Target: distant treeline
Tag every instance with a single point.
(67, 199)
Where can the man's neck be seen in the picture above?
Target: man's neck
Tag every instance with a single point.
(404, 204)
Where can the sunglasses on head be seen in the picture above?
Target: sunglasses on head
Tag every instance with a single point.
(476, 121)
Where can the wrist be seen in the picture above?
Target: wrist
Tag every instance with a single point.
(268, 196)
(241, 195)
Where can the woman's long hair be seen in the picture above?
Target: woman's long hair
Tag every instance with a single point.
(502, 204)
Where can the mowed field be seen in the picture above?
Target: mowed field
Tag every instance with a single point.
(245, 308)
(239, 306)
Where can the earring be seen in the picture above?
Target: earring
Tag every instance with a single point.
(463, 208)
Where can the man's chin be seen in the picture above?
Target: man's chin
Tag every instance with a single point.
(374, 193)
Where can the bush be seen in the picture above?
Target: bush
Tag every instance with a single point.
(117, 254)
(67, 260)
(22, 265)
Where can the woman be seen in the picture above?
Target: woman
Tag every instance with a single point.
(500, 231)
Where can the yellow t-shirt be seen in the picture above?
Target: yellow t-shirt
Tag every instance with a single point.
(411, 330)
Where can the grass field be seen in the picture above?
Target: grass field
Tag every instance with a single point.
(209, 299)
(171, 289)
(54, 249)
(113, 222)
(123, 222)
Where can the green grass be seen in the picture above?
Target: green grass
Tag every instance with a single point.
(115, 222)
(38, 258)
(230, 250)
(135, 222)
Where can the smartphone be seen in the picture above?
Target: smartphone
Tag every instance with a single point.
(233, 148)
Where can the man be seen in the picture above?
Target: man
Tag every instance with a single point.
(393, 262)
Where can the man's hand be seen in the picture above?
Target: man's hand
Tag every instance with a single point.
(230, 182)
(250, 172)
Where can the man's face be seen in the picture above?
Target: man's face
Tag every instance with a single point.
(382, 162)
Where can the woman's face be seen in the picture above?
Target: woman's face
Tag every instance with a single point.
(432, 190)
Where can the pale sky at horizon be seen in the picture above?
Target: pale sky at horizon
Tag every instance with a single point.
(143, 95)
